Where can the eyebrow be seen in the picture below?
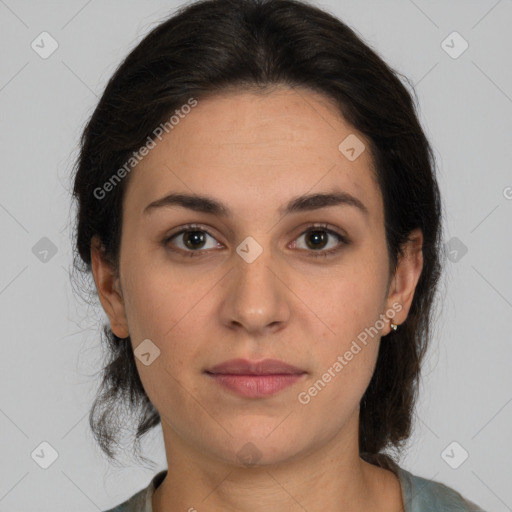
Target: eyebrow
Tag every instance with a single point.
(297, 204)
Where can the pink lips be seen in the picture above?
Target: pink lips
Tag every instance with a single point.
(255, 379)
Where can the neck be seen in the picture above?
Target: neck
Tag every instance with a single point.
(331, 476)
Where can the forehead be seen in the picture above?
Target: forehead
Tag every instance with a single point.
(248, 148)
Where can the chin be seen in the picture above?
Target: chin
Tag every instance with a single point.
(260, 451)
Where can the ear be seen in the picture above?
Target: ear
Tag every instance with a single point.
(109, 290)
(403, 284)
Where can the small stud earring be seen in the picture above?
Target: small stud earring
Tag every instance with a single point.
(394, 326)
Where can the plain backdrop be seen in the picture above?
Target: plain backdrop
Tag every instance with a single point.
(51, 352)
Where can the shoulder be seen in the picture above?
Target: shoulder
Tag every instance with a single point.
(136, 503)
(423, 495)
(141, 500)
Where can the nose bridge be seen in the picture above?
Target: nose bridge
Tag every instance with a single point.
(257, 297)
(253, 275)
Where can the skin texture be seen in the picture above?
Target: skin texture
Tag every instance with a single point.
(254, 152)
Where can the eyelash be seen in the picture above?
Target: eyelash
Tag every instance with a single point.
(313, 227)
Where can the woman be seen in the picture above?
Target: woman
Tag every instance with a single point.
(257, 203)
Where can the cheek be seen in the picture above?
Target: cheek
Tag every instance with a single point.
(350, 302)
(155, 299)
(347, 356)
(168, 310)
(350, 305)
(158, 309)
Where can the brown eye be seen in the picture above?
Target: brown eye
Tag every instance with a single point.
(317, 237)
(190, 241)
(193, 239)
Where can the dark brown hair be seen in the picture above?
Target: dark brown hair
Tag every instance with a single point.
(208, 47)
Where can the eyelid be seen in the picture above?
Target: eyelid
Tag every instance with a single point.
(332, 231)
(183, 229)
(343, 239)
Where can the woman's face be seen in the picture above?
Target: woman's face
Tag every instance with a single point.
(253, 283)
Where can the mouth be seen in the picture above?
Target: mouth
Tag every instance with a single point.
(255, 379)
(246, 367)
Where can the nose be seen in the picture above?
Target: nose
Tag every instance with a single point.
(257, 297)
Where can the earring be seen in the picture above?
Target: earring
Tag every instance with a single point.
(394, 326)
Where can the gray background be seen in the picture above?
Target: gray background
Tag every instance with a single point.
(50, 345)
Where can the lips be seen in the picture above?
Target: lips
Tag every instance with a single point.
(255, 379)
(246, 367)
